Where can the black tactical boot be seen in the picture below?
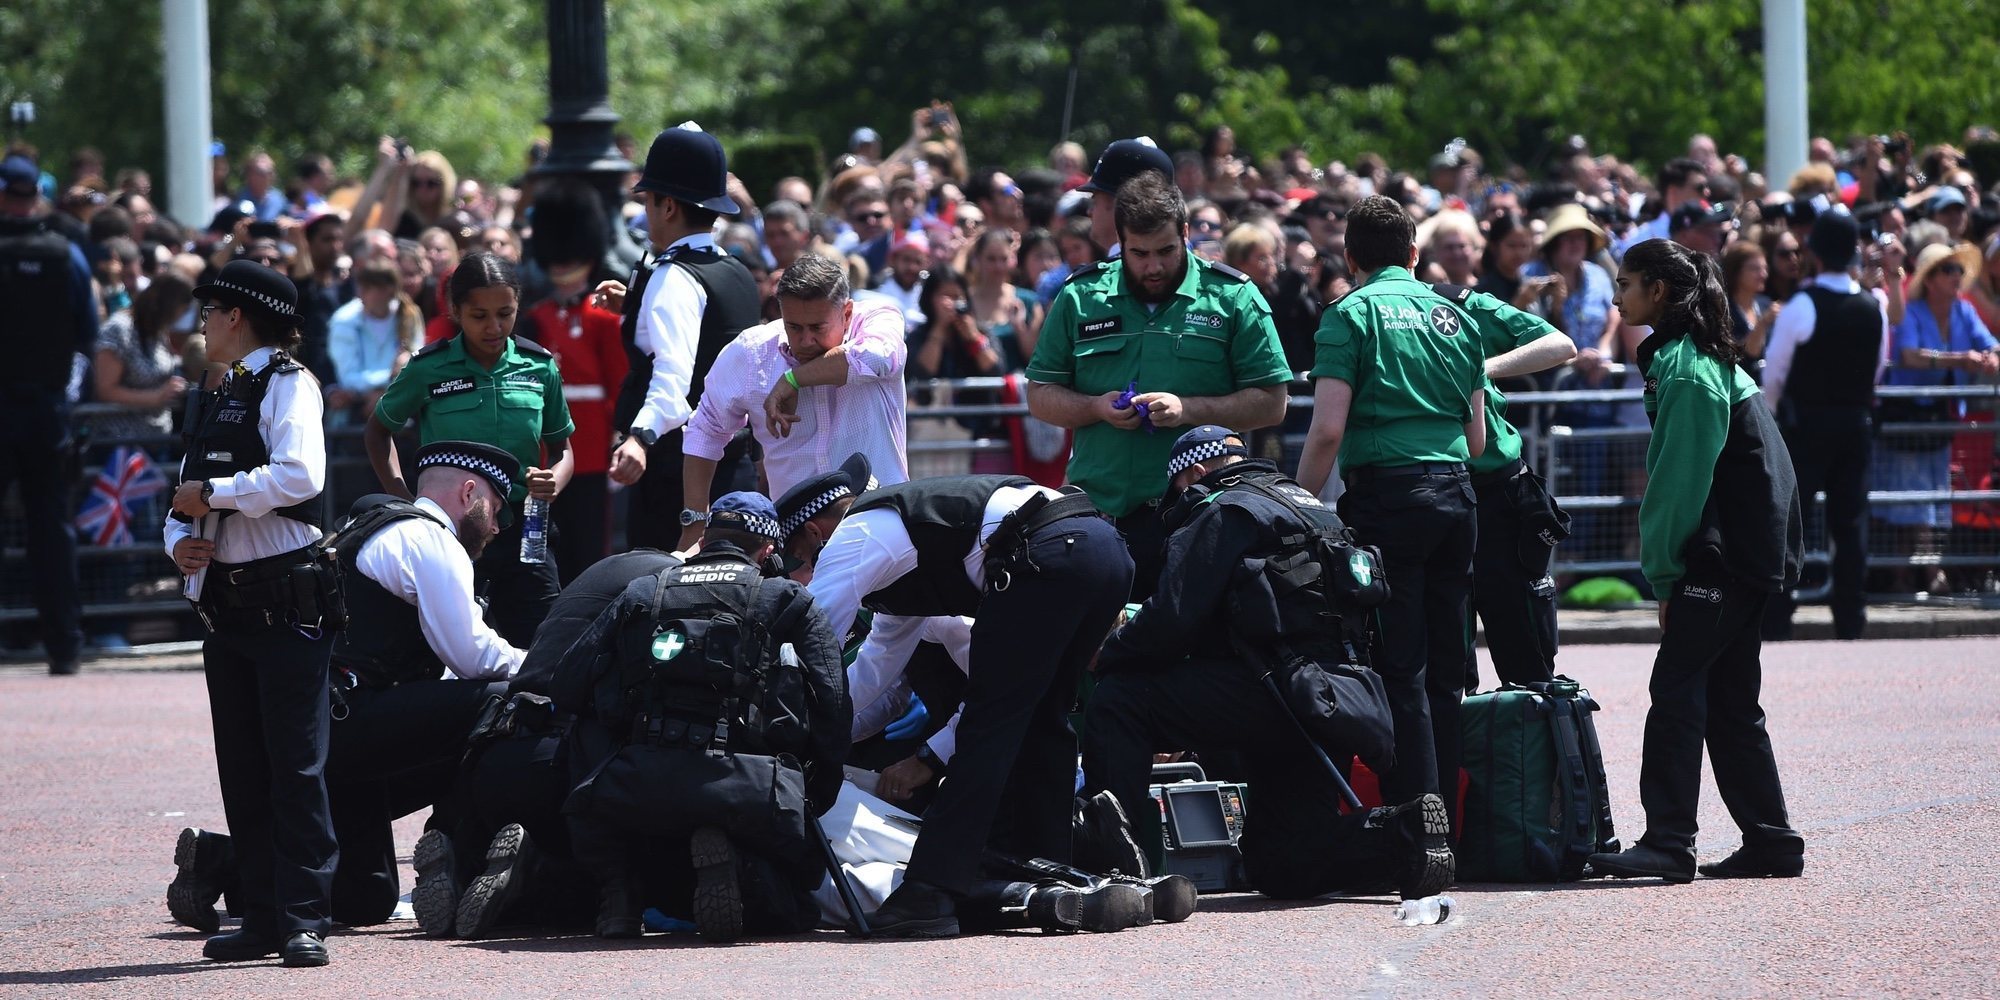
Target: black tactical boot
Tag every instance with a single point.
(617, 914)
(203, 861)
(1428, 867)
(508, 860)
(435, 896)
(718, 899)
(916, 910)
(1747, 862)
(1168, 898)
(1103, 836)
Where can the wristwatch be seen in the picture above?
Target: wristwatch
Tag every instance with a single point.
(930, 758)
(646, 436)
(207, 490)
(690, 517)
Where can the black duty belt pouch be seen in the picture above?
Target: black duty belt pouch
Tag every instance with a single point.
(1542, 518)
(1343, 706)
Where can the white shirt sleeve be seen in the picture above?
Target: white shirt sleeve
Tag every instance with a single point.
(875, 347)
(669, 330)
(1888, 335)
(867, 552)
(419, 561)
(883, 658)
(290, 419)
(1794, 326)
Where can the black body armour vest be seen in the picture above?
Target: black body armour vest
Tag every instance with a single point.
(943, 517)
(388, 646)
(1837, 366)
(39, 321)
(221, 433)
(733, 306)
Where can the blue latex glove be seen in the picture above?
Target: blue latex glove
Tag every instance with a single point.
(1124, 402)
(660, 923)
(912, 723)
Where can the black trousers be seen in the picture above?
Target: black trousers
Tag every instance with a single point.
(1831, 448)
(518, 595)
(1427, 530)
(396, 751)
(582, 517)
(1296, 843)
(35, 452)
(1016, 755)
(267, 697)
(1512, 591)
(653, 520)
(1705, 685)
(1146, 541)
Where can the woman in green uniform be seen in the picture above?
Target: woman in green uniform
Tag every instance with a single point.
(1719, 533)
(485, 384)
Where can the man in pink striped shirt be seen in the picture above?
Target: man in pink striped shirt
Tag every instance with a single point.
(821, 383)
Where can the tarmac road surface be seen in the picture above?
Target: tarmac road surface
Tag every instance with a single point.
(1888, 748)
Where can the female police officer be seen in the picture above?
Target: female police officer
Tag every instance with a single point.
(244, 514)
(487, 385)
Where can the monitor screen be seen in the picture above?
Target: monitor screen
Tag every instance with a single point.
(1197, 816)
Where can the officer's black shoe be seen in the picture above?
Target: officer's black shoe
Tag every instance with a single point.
(1750, 863)
(916, 910)
(64, 668)
(1643, 860)
(435, 896)
(1104, 835)
(304, 950)
(1171, 898)
(1114, 905)
(718, 899)
(1429, 866)
(240, 946)
(617, 915)
(508, 860)
(201, 860)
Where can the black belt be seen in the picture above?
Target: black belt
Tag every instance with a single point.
(1368, 473)
(259, 585)
(1501, 474)
(1061, 508)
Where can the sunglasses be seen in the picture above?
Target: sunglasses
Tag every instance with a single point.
(1955, 270)
(870, 216)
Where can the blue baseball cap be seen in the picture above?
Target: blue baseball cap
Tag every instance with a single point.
(20, 176)
(745, 511)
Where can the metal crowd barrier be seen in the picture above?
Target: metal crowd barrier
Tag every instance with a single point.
(958, 425)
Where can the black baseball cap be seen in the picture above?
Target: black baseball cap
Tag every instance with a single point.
(1124, 160)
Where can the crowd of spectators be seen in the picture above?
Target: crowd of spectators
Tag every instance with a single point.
(973, 253)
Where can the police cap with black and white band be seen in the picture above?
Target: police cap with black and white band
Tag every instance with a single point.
(1203, 443)
(746, 511)
(249, 285)
(804, 501)
(496, 465)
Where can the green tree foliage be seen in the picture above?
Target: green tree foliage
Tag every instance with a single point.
(467, 77)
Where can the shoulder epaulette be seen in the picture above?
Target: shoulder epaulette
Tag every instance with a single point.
(1091, 269)
(524, 344)
(1456, 293)
(433, 347)
(1225, 269)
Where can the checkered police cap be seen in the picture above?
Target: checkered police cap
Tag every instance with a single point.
(249, 283)
(744, 511)
(497, 465)
(808, 498)
(1201, 444)
(812, 506)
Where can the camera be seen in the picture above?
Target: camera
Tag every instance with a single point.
(964, 308)
(939, 117)
(402, 150)
(1892, 145)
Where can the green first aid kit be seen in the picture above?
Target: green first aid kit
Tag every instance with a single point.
(1537, 806)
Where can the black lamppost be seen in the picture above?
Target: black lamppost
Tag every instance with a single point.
(582, 126)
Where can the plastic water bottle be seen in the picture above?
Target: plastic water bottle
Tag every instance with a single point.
(535, 531)
(1420, 912)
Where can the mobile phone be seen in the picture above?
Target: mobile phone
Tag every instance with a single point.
(939, 116)
(964, 308)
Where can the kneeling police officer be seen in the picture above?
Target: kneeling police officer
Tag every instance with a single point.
(698, 731)
(1244, 592)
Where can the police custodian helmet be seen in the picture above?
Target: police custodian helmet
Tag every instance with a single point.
(687, 164)
(1126, 159)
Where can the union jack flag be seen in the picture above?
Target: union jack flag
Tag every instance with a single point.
(128, 477)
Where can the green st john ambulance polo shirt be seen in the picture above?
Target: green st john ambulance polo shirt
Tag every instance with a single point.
(1501, 329)
(1213, 337)
(1414, 359)
(517, 406)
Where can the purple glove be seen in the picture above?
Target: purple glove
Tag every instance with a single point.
(1124, 402)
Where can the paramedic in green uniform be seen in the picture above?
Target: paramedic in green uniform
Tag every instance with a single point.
(486, 385)
(1399, 396)
(1192, 340)
(1519, 523)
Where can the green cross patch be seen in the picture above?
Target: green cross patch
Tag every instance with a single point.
(1362, 567)
(668, 645)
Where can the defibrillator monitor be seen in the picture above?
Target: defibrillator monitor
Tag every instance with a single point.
(1196, 817)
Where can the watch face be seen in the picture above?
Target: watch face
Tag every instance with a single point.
(689, 519)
